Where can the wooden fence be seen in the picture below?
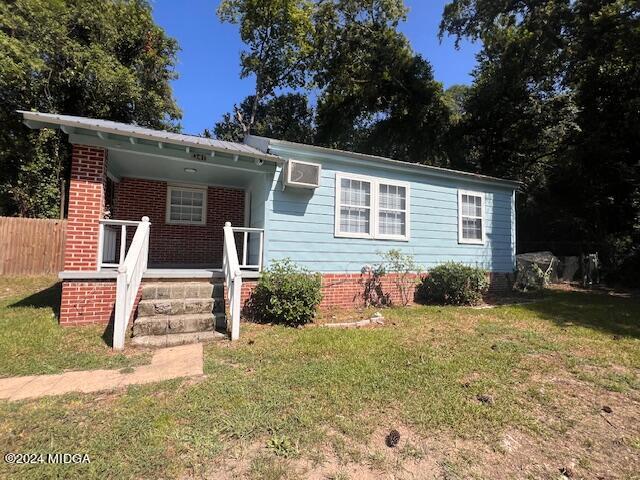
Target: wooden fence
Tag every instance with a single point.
(31, 246)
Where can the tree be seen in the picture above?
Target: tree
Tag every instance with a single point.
(278, 36)
(97, 59)
(373, 93)
(455, 98)
(377, 96)
(555, 103)
(286, 117)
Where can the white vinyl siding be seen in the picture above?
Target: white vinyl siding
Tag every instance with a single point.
(470, 217)
(186, 205)
(369, 207)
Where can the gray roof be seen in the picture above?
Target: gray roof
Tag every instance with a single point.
(38, 119)
(268, 144)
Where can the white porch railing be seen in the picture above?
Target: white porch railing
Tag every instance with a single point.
(246, 247)
(130, 273)
(109, 256)
(233, 278)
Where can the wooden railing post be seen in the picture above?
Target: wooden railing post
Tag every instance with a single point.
(235, 313)
(119, 322)
(123, 243)
(130, 272)
(100, 246)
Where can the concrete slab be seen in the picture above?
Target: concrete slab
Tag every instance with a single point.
(166, 364)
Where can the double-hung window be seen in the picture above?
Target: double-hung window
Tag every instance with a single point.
(470, 217)
(186, 205)
(369, 207)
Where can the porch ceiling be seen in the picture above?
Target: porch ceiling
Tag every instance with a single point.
(127, 163)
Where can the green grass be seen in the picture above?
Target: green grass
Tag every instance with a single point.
(283, 395)
(32, 342)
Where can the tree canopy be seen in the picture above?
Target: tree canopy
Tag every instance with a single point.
(372, 93)
(286, 117)
(97, 59)
(555, 102)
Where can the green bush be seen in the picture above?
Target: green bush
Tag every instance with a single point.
(454, 284)
(286, 294)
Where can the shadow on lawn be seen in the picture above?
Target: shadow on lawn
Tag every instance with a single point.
(49, 297)
(599, 311)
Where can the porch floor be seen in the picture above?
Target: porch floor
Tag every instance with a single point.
(156, 273)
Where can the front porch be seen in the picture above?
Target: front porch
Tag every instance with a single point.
(147, 206)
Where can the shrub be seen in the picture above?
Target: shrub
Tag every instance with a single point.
(454, 284)
(404, 268)
(371, 280)
(530, 276)
(286, 294)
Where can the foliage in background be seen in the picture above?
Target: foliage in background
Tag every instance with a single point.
(373, 93)
(285, 117)
(97, 59)
(403, 269)
(286, 294)
(454, 284)
(555, 103)
(278, 36)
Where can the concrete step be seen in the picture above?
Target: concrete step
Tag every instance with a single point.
(171, 324)
(174, 339)
(177, 290)
(179, 306)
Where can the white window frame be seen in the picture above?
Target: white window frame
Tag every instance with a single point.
(374, 207)
(471, 241)
(189, 188)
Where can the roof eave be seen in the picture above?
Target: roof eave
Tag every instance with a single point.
(374, 159)
(34, 121)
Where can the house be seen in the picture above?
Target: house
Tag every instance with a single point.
(170, 221)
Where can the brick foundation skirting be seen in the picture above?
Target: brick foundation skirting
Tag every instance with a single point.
(88, 302)
(346, 290)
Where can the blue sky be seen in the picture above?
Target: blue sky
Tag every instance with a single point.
(208, 63)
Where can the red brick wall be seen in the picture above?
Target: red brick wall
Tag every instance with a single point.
(346, 290)
(86, 205)
(186, 244)
(342, 290)
(87, 302)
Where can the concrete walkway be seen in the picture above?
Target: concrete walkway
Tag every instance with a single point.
(168, 363)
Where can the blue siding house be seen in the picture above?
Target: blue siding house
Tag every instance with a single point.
(439, 215)
(147, 206)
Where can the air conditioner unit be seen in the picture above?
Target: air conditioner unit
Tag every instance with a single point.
(302, 174)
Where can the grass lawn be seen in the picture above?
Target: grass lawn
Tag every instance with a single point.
(32, 342)
(318, 402)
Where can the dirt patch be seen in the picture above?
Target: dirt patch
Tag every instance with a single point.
(573, 434)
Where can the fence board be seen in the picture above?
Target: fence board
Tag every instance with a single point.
(31, 246)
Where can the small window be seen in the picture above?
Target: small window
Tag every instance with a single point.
(186, 206)
(369, 207)
(470, 217)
